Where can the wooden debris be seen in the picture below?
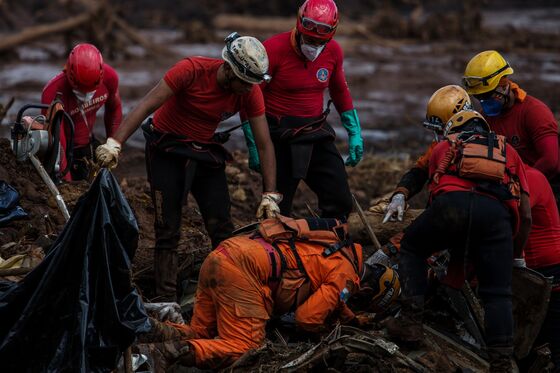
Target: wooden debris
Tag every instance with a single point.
(382, 231)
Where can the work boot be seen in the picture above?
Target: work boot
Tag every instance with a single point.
(407, 326)
(160, 332)
(165, 271)
(500, 359)
(162, 356)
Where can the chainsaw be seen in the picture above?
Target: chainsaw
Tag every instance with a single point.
(40, 144)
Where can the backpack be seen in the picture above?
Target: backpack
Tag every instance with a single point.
(291, 286)
(480, 157)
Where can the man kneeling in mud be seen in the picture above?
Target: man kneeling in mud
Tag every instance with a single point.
(306, 266)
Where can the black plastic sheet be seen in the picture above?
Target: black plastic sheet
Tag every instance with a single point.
(9, 210)
(77, 311)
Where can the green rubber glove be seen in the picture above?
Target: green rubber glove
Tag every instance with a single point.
(351, 123)
(254, 161)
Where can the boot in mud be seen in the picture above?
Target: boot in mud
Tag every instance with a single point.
(162, 356)
(500, 359)
(165, 271)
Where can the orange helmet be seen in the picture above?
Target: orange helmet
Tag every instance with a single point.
(444, 103)
(84, 68)
(382, 286)
(462, 118)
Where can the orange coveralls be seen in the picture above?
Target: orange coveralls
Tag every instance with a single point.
(233, 299)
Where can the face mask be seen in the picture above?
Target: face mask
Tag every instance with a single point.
(492, 107)
(83, 97)
(311, 52)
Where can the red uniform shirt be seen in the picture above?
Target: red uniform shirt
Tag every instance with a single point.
(297, 85)
(451, 183)
(543, 245)
(83, 114)
(199, 103)
(529, 126)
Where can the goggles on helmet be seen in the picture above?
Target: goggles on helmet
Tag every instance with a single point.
(474, 81)
(319, 27)
(242, 68)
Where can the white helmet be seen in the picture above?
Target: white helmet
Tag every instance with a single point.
(247, 57)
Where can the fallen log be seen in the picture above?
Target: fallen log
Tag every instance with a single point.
(383, 232)
(33, 33)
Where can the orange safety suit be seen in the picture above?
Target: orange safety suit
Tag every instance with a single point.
(234, 299)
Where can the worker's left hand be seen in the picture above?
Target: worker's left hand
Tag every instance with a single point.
(355, 150)
(166, 311)
(269, 205)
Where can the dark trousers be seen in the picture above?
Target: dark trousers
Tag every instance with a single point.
(81, 156)
(171, 177)
(479, 224)
(326, 177)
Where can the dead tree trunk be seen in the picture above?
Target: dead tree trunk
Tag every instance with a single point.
(37, 32)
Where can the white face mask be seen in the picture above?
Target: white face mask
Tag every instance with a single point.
(84, 97)
(311, 52)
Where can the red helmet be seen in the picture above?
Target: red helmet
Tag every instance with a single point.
(84, 68)
(318, 19)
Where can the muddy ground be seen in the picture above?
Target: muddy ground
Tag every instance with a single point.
(392, 71)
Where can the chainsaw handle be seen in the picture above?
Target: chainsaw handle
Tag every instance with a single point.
(26, 107)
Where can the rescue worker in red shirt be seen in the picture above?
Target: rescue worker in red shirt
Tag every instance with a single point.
(475, 211)
(442, 105)
(305, 62)
(250, 278)
(542, 253)
(182, 154)
(526, 122)
(86, 84)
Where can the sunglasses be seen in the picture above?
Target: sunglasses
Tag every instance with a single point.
(474, 81)
(320, 28)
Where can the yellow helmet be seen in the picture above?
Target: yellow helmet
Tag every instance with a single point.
(445, 102)
(484, 71)
(381, 288)
(462, 118)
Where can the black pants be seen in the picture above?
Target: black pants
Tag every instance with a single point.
(81, 156)
(459, 220)
(326, 176)
(171, 177)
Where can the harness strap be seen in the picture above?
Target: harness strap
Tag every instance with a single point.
(276, 267)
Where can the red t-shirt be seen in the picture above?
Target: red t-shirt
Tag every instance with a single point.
(199, 103)
(297, 85)
(526, 126)
(451, 183)
(543, 245)
(84, 114)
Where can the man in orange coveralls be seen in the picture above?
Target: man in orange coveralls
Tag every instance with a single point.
(249, 278)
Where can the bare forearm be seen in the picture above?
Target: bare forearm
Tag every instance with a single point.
(153, 100)
(268, 167)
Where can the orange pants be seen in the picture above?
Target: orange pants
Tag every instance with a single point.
(232, 304)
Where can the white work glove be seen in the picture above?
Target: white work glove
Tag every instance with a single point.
(108, 154)
(379, 257)
(165, 311)
(519, 263)
(397, 206)
(269, 205)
